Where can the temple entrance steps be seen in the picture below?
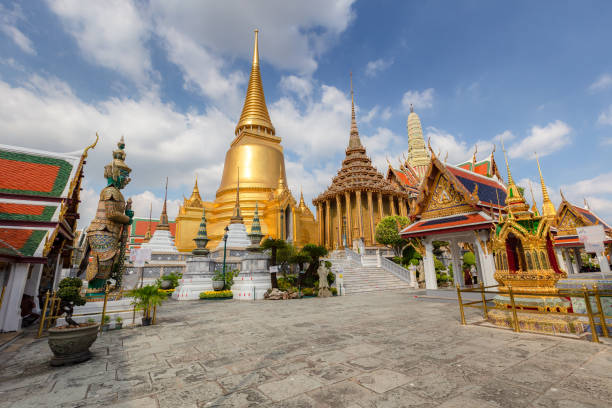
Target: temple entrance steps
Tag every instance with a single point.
(360, 278)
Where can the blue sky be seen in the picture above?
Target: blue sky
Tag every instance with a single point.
(171, 77)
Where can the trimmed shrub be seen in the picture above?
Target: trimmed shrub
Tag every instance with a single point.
(222, 294)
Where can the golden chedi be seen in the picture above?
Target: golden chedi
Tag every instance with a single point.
(257, 155)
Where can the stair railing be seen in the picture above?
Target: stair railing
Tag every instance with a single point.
(397, 270)
(353, 256)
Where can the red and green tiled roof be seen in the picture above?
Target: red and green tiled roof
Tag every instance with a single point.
(461, 222)
(21, 242)
(35, 173)
(139, 227)
(27, 211)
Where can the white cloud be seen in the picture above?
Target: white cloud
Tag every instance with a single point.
(8, 25)
(318, 132)
(376, 113)
(543, 140)
(292, 34)
(420, 99)
(112, 34)
(504, 136)
(205, 70)
(374, 67)
(160, 141)
(300, 86)
(379, 144)
(603, 82)
(605, 117)
(458, 151)
(147, 200)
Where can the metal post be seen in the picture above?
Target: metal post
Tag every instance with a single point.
(224, 253)
(2, 296)
(52, 313)
(587, 303)
(460, 304)
(484, 302)
(515, 320)
(104, 307)
(134, 315)
(154, 313)
(43, 316)
(602, 315)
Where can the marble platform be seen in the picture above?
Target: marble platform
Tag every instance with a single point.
(197, 278)
(254, 278)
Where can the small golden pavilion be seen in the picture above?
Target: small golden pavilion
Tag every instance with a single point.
(256, 156)
(357, 199)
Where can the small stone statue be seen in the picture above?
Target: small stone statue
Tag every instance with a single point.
(323, 284)
(107, 233)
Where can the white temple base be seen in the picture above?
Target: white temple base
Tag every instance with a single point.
(161, 241)
(237, 238)
(197, 278)
(251, 285)
(122, 307)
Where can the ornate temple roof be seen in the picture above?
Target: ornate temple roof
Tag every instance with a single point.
(569, 217)
(255, 111)
(39, 198)
(486, 167)
(195, 200)
(357, 172)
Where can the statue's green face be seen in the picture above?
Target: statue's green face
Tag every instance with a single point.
(121, 181)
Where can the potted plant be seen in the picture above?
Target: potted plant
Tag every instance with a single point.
(118, 322)
(146, 298)
(105, 323)
(70, 343)
(218, 281)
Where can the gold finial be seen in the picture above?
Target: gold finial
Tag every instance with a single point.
(254, 116)
(510, 180)
(534, 207)
(446, 157)
(163, 218)
(237, 217)
(562, 196)
(147, 236)
(548, 208)
(474, 155)
(91, 146)
(586, 204)
(354, 141)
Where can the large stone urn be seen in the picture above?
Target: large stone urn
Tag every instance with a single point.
(71, 345)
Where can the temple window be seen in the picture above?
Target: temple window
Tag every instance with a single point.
(529, 263)
(544, 261)
(536, 261)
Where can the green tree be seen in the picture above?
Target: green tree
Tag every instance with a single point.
(468, 260)
(70, 294)
(273, 245)
(387, 232)
(316, 252)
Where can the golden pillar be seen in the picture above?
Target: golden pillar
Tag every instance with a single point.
(359, 213)
(349, 219)
(371, 217)
(339, 213)
(328, 230)
(392, 204)
(321, 224)
(380, 206)
(402, 206)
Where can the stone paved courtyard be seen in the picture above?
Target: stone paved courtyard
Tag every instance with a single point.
(371, 350)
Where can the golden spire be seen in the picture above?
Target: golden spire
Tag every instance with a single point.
(534, 207)
(514, 199)
(147, 236)
(354, 141)
(302, 203)
(548, 208)
(237, 217)
(282, 183)
(163, 218)
(255, 112)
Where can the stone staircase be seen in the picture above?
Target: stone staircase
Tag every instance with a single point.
(366, 278)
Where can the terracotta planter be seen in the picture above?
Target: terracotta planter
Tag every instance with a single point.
(218, 285)
(71, 345)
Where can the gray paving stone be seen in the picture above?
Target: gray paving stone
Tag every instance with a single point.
(189, 397)
(398, 398)
(342, 394)
(253, 378)
(289, 387)
(240, 399)
(382, 380)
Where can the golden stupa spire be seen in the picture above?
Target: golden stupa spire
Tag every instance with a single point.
(237, 217)
(163, 218)
(548, 208)
(302, 203)
(534, 207)
(147, 236)
(255, 115)
(354, 141)
(514, 199)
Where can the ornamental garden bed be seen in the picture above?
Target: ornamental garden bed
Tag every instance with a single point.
(217, 295)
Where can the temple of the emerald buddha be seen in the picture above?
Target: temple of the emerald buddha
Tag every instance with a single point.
(257, 156)
(357, 199)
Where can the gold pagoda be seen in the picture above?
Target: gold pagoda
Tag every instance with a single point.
(357, 199)
(257, 155)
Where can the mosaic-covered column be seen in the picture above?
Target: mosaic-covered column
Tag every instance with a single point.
(359, 213)
(392, 204)
(380, 206)
(328, 230)
(371, 217)
(339, 212)
(349, 219)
